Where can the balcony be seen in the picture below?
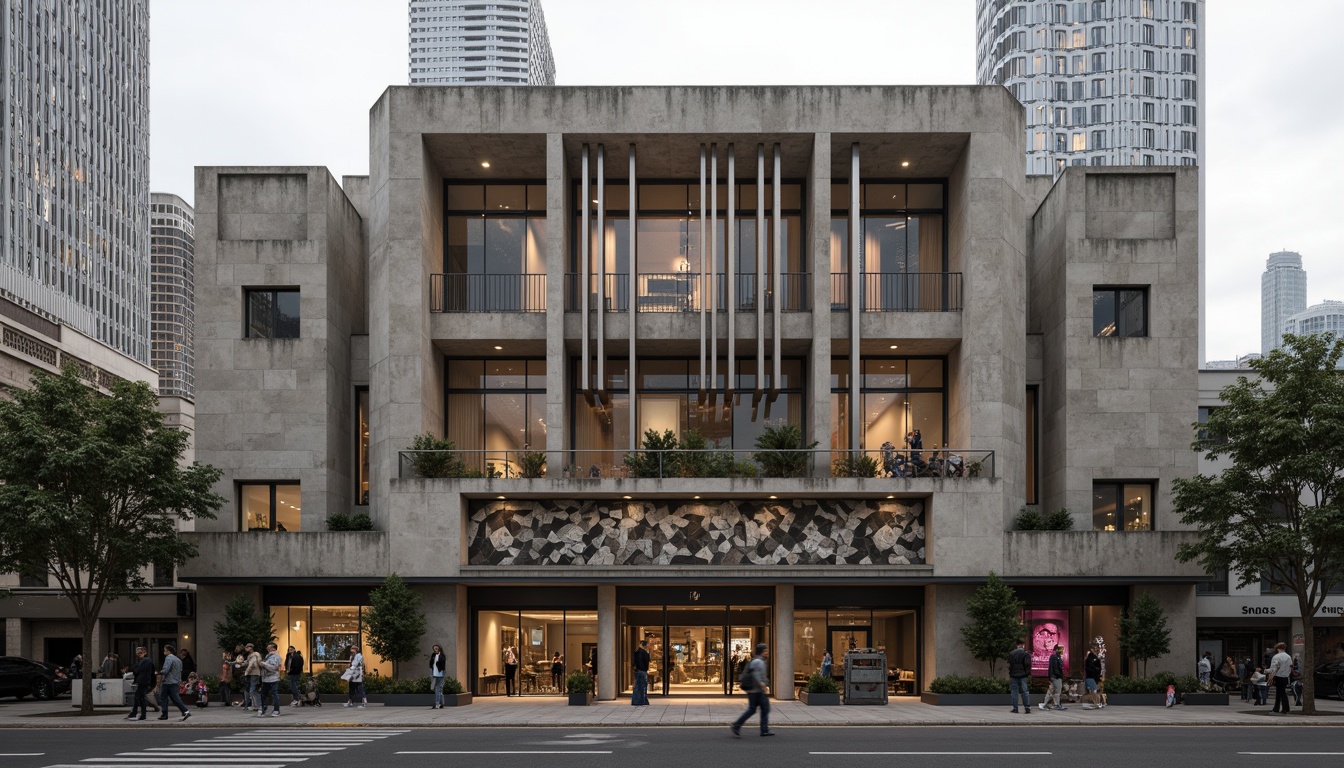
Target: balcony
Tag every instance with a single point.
(258, 555)
(903, 464)
(1077, 554)
(684, 292)
(900, 291)
(462, 292)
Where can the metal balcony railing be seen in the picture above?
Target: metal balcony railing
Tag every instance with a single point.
(684, 292)
(900, 291)
(710, 463)
(463, 292)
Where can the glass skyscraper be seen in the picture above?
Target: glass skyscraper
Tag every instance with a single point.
(467, 42)
(74, 166)
(1283, 293)
(173, 248)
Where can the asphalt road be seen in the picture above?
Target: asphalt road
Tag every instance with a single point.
(170, 745)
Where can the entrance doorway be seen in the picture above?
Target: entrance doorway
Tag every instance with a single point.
(693, 650)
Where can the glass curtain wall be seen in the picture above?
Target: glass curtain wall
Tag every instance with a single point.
(892, 630)
(669, 253)
(325, 634)
(899, 395)
(902, 252)
(496, 411)
(692, 650)
(495, 247)
(546, 644)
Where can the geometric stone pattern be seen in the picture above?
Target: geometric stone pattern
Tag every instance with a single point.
(609, 532)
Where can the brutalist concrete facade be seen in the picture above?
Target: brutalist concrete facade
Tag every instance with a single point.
(1026, 257)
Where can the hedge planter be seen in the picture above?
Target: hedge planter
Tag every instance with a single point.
(418, 699)
(819, 699)
(1205, 699)
(1136, 699)
(965, 699)
(580, 699)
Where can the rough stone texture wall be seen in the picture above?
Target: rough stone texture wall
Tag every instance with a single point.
(573, 532)
(1178, 601)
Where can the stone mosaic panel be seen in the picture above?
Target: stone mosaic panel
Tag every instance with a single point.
(611, 532)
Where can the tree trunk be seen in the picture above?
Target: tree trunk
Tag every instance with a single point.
(1308, 664)
(86, 706)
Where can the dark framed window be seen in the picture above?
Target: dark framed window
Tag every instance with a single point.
(897, 394)
(1120, 312)
(163, 574)
(496, 411)
(273, 506)
(1122, 506)
(361, 446)
(33, 581)
(1213, 585)
(272, 313)
(1033, 438)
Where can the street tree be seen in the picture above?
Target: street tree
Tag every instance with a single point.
(395, 622)
(1144, 633)
(244, 623)
(92, 492)
(1275, 513)
(995, 626)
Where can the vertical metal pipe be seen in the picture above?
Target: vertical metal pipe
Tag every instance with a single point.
(760, 268)
(601, 346)
(730, 268)
(713, 268)
(631, 302)
(855, 296)
(778, 269)
(585, 287)
(702, 268)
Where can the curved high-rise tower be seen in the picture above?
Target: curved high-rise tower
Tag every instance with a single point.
(468, 42)
(1283, 293)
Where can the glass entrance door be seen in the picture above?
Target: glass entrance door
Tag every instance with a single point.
(694, 660)
(692, 650)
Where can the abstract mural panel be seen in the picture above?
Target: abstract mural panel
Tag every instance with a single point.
(613, 532)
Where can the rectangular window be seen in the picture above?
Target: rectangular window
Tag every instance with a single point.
(1188, 12)
(1032, 433)
(1061, 142)
(1188, 38)
(1098, 114)
(1187, 141)
(1213, 585)
(270, 506)
(1098, 140)
(1078, 87)
(496, 412)
(1098, 37)
(1149, 160)
(1149, 112)
(272, 313)
(1149, 60)
(1122, 506)
(163, 574)
(1120, 312)
(1148, 86)
(1098, 88)
(1148, 32)
(1189, 114)
(1188, 62)
(1189, 90)
(1148, 138)
(1098, 62)
(1080, 115)
(1079, 142)
(361, 446)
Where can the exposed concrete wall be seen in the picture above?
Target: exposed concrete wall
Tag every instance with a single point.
(782, 653)
(210, 602)
(1178, 601)
(445, 624)
(1083, 554)
(945, 652)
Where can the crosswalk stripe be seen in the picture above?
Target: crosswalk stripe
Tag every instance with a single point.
(258, 748)
(174, 760)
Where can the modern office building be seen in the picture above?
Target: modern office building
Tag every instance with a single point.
(172, 247)
(1283, 293)
(74, 167)
(1326, 317)
(467, 42)
(545, 277)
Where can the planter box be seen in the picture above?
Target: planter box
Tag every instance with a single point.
(819, 699)
(965, 699)
(402, 699)
(106, 693)
(1136, 699)
(1205, 699)
(580, 699)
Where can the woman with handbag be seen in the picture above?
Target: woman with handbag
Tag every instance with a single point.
(354, 674)
(437, 667)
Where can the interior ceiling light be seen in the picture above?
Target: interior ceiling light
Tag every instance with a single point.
(485, 163)
(774, 497)
(498, 347)
(625, 497)
(501, 498)
(905, 163)
(894, 346)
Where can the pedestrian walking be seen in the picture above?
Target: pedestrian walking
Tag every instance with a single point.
(1056, 674)
(144, 680)
(354, 674)
(1092, 680)
(437, 667)
(1205, 669)
(753, 682)
(226, 679)
(1260, 685)
(252, 676)
(1280, 668)
(270, 680)
(1247, 687)
(640, 697)
(294, 671)
(170, 677)
(1019, 672)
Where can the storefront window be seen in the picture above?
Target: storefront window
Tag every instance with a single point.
(692, 650)
(325, 634)
(532, 639)
(893, 631)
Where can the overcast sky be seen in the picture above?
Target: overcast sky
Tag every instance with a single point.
(290, 82)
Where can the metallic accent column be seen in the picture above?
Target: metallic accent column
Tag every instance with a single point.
(855, 296)
(713, 271)
(584, 286)
(730, 268)
(702, 269)
(631, 300)
(601, 346)
(760, 270)
(778, 267)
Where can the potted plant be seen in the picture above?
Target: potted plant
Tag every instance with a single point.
(532, 464)
(579, 686)
(820, 691)
(854, 466)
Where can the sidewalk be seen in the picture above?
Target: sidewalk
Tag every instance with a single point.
(550, 711)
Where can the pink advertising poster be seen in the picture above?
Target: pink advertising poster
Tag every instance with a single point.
(1045, 630)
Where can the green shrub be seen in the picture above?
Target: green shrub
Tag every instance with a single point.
(578, 682)
(744, 468)
(532, 464)
(1156, 684)
(329, 682)
(954, 684)
(854, 466)
(1032, 519)
(341, 521)
(443, 462)
(651, 461)
(380, 684)
(781, 452)
(1059, 520)
(451, 685)
(816, 683)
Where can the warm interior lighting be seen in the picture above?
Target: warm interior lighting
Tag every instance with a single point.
(905, 163)
(774, 497)
(485, 163)
(501, 498)
(498, 347)
(894, 346)
(625, 497)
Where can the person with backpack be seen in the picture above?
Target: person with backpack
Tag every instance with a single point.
(753, 682)
(1019, 672)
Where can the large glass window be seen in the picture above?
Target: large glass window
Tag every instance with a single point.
(545, 645)
(902, 253)
(899, 395)
(362, 445)
(891, 630)
(1122, 506)
(1120, 312)
(272, 313)
(496, 411)
(495, 247)
(270, 506)
(325, 635)
(693, 650)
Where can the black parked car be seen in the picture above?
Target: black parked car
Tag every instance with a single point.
(21, 677)
(1330, 679)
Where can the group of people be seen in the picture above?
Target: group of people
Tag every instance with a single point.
(1280, 670)
(1019, 678)
(911, 463)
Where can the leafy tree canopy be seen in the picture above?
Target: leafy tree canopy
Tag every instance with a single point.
(394, 620)
(995, 626)
(243, 623)
(1144, 634)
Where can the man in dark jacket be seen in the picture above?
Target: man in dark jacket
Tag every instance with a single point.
(144, 680)
(1019, 672)
(640, 696)
(294, 670)
(1056, 680)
